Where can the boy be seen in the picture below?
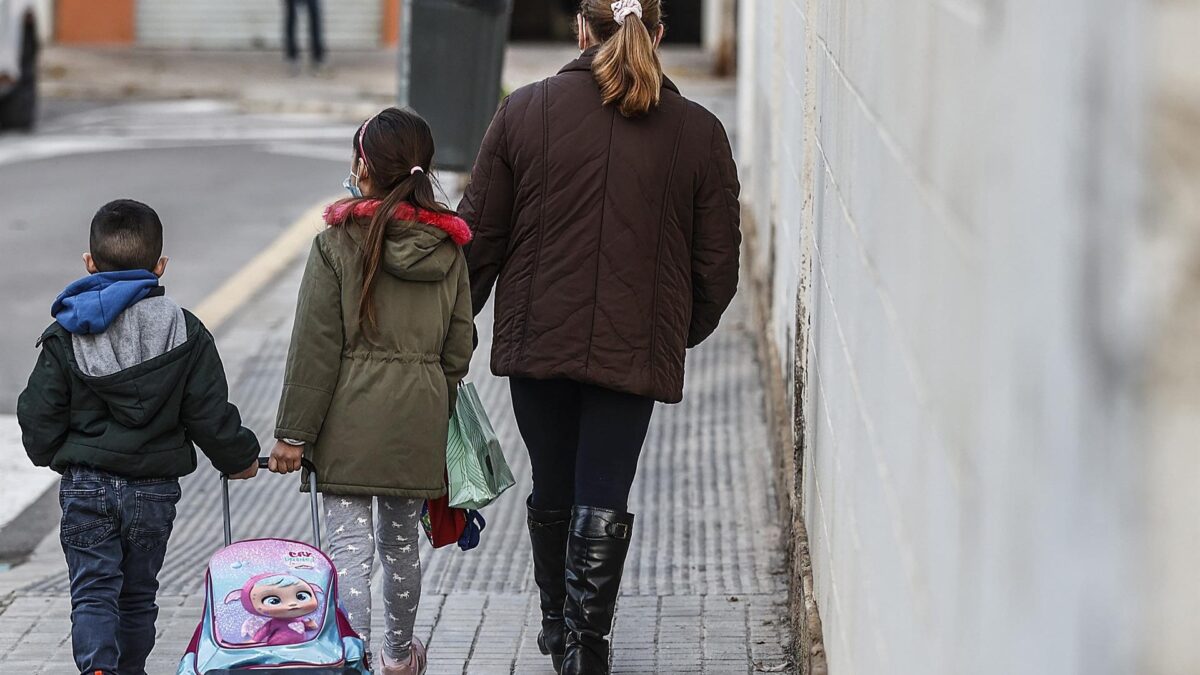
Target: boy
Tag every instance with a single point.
(126, 382)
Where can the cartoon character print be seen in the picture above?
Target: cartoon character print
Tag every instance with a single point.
(285, 601)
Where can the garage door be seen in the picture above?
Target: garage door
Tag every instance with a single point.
(245, 24)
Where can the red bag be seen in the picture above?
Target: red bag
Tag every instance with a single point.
(443, 525)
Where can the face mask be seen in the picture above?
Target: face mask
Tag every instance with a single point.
(351, 184)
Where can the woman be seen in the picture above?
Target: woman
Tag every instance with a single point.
(381, 340)
(605, 211)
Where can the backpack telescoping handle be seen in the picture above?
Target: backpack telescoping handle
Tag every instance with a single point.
(312, 496)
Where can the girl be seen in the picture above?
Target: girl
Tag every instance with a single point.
(382, 337)
(606, 208)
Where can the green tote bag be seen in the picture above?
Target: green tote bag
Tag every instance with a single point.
(475, 466)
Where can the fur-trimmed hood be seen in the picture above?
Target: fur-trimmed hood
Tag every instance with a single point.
(421, 245)
(339, 212)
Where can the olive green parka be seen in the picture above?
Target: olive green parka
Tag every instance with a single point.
(373, 407)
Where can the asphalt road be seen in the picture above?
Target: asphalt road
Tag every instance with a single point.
(224, 183)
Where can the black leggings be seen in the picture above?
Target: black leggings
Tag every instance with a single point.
(584, 441)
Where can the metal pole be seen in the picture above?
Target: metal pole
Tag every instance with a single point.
(315, 508)
(404, 68)
(225, 509)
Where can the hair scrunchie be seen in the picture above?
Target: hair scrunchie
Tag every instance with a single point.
(416, 169)
(623, 8)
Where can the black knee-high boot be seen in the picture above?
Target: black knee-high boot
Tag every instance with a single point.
(548, 534)
(596, 550)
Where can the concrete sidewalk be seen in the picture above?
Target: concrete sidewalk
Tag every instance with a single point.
(355, 85)
(705, 589)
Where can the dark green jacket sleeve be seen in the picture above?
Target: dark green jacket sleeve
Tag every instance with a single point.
(212, 422)
(44, 408)
(315, 357)
(456, 353)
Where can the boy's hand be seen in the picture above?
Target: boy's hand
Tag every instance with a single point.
(249, 472)
(285, 458)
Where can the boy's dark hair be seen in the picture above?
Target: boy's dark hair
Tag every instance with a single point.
(126, 235)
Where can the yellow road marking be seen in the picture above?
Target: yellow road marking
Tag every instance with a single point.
(262, 269)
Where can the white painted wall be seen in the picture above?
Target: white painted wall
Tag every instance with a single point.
(951, 188)
(1172, 243)
(247, 24)
(45, 13)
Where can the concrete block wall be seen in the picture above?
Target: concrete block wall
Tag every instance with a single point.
(1171, 242)
(947, 202)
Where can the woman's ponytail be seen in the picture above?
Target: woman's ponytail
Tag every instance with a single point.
(626, 67)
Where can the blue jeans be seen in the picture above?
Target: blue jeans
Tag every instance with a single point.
(114, 533)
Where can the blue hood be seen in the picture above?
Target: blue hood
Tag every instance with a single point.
(90, 304)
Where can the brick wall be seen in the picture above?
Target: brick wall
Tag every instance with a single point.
(952, 207)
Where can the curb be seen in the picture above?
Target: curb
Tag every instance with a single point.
(364, 105)
(20, 537)
(808, 641)
(355, 111)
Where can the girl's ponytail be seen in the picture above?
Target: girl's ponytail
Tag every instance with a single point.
(410, 189)
(626, 67)
(397, 148)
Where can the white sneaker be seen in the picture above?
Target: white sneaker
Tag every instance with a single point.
(417, 661)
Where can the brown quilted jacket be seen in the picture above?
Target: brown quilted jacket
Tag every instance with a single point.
(612, 242)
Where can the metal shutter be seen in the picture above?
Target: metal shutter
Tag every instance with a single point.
(252, 24)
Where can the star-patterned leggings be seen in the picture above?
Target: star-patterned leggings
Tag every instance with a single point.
(352, 546)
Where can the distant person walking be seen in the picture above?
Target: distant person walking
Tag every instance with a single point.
(605, 212)
(316, 44)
